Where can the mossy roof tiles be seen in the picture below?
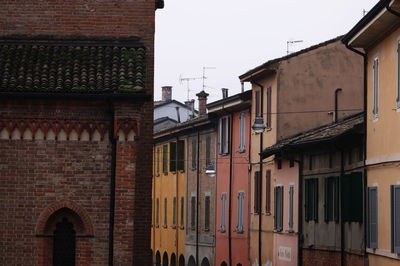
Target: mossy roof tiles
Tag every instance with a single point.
(71, 68)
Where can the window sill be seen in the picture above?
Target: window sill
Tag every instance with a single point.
(173, 227)
(384, 253)
(157, 226)
(267, 214)
(206, 230)
(182, 227)
(242, 151)
(164, 226)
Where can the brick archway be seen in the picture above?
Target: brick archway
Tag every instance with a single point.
(45, 227)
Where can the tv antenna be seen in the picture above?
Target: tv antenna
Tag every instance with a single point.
(289, 43)
(204, 75)
(188, 80)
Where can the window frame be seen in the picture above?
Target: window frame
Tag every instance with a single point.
(173, 157)
(375, 110)
(278, 208)
(165, 213)
(291, 208)
(240, 214)
(242, 132)
(373, 240)
(207, 212)
(224, 135)
(165, 159)
(311, 199)
(395, 189)
(223, 213)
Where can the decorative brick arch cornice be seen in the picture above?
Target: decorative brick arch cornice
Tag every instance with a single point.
(50, 210)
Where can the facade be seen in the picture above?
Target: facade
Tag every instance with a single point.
(327, 163)
(293, 94)
(76, 107)
(232, 196)
(376, 37)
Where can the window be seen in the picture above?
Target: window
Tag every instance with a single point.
(165, 159)
(158, 156)
(257, 100)
(398, 75)
(291, 208)
(352, 195)
(268, 192)
(269, 109)
(376, 87)
(182, 212)
(311, 199)
(331, 199)
(165, 213)
(224, 135)
(279, 163)
(207, 213)
(174, 212)
(373, 217)
(157, 212)
(278, 199)
(240, 222)
(172, 157)
(181, 155)
(395, 218)
(291, 163)
(193, 213)
(223, 213)
(257, 183)
(208, 150)
(194, 153)
(242, 132)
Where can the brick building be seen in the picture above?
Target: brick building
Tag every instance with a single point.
(76, 87)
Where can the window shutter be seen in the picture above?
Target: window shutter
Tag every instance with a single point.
(307, 200)
(315, 199)
(257, 100)
(181, 155)
(223, 213)
(158, 155)
(240, 212)
(194, 153)
(327, 203)
(220, 133)
(268, 192)
(269, 108)
(165, 212)
(336, 200)
(280, 208)
(182, 211)
(275, 208)
(242, 131)
(256, 192)
(227, 135)
(398, 75)
(172, 157)
(207, 213)
(396, 219)
(174, 212)
(208, 152)
(376, 87)
(373, 217)
(165, 159)
(291, 207)
(193, 213)
(157, 212)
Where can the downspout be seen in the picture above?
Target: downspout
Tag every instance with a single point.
(113, 142)
(177, 198)
(230, 192)
(365, 59)
(154, 202)
(260, 180)
(197, 197)
(249, 189)
(300, 212)
(342, 262)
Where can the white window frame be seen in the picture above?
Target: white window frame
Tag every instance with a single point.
(223, 213)
(240, 217)
(242, 132)
(375, 109)
(291, 208)
(224, 123)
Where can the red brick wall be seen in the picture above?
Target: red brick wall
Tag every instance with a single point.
(331, 258)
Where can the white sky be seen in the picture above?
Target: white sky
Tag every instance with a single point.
(235, 36)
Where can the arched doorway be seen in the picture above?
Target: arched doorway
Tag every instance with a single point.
(165, 259)
(158, 258)
(192, 261)
(205, 262)
(173, 260)
(64, 243)
(224, 264)
(181, 260)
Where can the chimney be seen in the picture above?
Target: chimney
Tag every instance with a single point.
(166, 93)
(224, 93)
(202, 96)
(190, 104)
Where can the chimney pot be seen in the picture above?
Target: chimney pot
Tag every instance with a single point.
(224, 93)
(166, 93)
(202, 96)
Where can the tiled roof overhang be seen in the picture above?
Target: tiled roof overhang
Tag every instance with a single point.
(71, 67)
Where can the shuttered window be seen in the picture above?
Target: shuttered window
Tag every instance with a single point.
(395, 218)
(311, 199)
(223, 213)
(373, 217)
(398, 75)
(352, 194)
(165, 212)
(257, 192)
(278, 215)
(165, 159)
(174, 212)
(193, 213)
(376, 87)
(182, 212)
(257, 100)
(207, 213)
(208, 150)
(242, 132)
(224, 135)
(158, 158)
(172, 157)
(240, 222)
(194, 153)
(157, 212)
(331, 199)
(291, 208)
(181, 155)
(269, 107)
(268, 192)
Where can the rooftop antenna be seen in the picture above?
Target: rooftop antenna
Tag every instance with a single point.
(181, 79)
(288, 43)
(204, 75)
(365, 12)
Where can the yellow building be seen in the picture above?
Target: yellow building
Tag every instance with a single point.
(169, 199)
(377, 38)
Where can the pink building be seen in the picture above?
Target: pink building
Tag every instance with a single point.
(232, 236)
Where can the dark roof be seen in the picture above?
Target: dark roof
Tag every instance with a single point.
(321, 134)
(163, 119)
(187, 125)
(158, 104)
(240, 96)
(276, 60)
(71, 67)
(365, 20)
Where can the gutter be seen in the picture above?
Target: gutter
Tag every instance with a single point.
(197, 198)
(113, 142)
(392, 11)
(230, 193)
(64, 95)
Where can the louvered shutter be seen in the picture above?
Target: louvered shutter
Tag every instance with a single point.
(268, 191)
(396, 218)
(291, 207)
(307, 200)
(256, 192)
(240, 212)
(223, 213)
(376, 87)
(182, 211)
(373, 217)
(220, 133)
(275, 208)
(193, 213)
(207, 213)
(194, 153)
(172, 157)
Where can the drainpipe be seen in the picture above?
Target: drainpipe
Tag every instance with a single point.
(341, 209)
(249, 186)
(300, 212)
(230, 193)
(197, 198)
(154, 198)
(177, 197)
(113, 142)
(335, 116)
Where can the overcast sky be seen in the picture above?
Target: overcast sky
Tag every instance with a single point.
(233, 36)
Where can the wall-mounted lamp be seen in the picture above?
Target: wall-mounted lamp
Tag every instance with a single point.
(258, 125)
(210, 170)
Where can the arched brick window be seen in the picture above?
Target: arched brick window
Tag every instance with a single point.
(64, 231)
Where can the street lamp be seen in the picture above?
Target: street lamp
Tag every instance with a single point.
(258, 125)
